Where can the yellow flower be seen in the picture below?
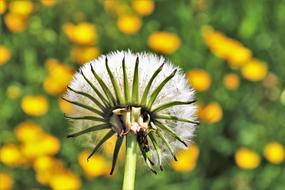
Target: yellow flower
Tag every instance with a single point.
(274, 152)
(211, 113)
(231, 81)
(15, 22)
(143, 7)
(226, 48)
(96, 166)
(65, 180)
(254, 70)
(246, 158)
(28, 131)
(3, 6)
(11, 155)
(83, 34)
(6, 181)
(13, 92)
(199, 79)
(5, 55)
(164, 42)
(187, 159)
(59, 77)
(65, 106)
(48, 3)
(35, 105)
(45, 167)
(22, 8)
(84, 54)
(45, 145)
(129, 24)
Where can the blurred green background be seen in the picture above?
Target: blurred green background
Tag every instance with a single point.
(231, 51)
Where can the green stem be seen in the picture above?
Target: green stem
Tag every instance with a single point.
(130, 162)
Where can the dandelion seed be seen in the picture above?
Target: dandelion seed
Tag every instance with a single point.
(136, 95)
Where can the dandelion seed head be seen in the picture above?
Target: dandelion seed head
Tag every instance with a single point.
(176, 89)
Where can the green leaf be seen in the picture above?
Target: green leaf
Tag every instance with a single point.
(147, 159)
(102, 141)
(88, 96)
(157, 149)
(170, 104)
(90, 129)
(116, 152)
(170, 131)
(147, 88)
(172, 117)
(114, 83)
(158, 89)
(135, 89)
(99, 94)
(104, 87)
(84, 106)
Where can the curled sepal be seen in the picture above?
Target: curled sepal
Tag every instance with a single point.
(87, 96)
(103, 140)
(114, 83)
(135, 89)
(126, 83)
(170, 131)
(157, 149)
(170, 104)
(116, 152)
(99, 94)
(92, 118)
(171, 117)
(90, 129)
(84, 106)
(158, 132)
(159, 88)
(147, 88)
(104, 87)
(146, 156)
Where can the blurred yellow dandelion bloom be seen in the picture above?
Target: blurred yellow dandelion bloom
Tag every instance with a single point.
(199, 79)
(246, 158)
(226, 48)
(35, 105)
(254, 70)
(231, 81)
(82, 34)
(11, 155)
(58, 78)
(211, 113)
(65, 180)
(5, 54)
(65, 106)
(45, 145)
(164, 42)
(3, 6)
(15, 22)
(45, 167)
(186, 159)
(84, 54)
(143, 7)
(13, 92)
(23, 7)
(129, 24)
(28, 131)
(6, 181)
(274, 152)
(48, 3)
(96, 165)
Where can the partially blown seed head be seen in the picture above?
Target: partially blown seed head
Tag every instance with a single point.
(138, 94)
